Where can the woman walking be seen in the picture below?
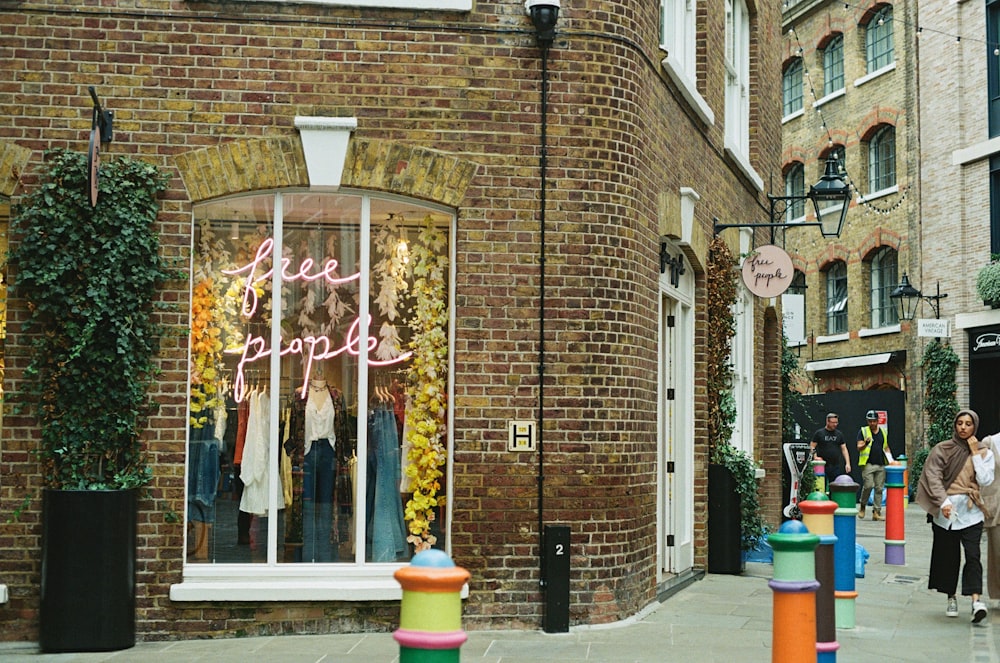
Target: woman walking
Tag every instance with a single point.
(949, 491)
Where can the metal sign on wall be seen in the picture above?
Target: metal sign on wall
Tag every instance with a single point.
(767, 271)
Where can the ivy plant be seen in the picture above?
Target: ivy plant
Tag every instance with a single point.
(940, 365)
(721, 297)
(89, 276)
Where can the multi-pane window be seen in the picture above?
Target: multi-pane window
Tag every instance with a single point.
(993, 64)
(791, 86)
(884, 280)
(836, 298)
(882, 159)
(738, 76)
(833, 65)
(795, 185)
(878, 40)
(308, 379)
(677, 33)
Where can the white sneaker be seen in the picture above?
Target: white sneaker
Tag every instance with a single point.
(952, 609)
(978, 611)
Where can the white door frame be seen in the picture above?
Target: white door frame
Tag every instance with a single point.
(675, 423)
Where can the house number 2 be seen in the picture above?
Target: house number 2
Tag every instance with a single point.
(559, 549)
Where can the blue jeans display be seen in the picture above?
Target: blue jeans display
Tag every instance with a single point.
(317, 503)
(386, 528)
(203, 474)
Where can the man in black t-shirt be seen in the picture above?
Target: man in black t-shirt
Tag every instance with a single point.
(828, 443)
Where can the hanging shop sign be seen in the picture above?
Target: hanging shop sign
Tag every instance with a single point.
(984, 341)
(767, 271)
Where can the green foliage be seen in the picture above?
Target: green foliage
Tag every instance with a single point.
(720, 296)
(744, 471)
(89, 276)
(988, 281)
(940, 364)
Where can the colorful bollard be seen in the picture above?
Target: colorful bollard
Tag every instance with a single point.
(895, 516)
(844, 491)
(430, 613)
(817, 516)
(819, 471)
(793, 626)
(901, 459)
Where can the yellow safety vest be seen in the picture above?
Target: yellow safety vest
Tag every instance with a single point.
(866, 433)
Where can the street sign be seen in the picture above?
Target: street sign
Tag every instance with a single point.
(934, 328)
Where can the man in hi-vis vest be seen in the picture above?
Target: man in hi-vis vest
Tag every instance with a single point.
(873, 456)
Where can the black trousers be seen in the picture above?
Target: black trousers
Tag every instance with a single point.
(946, 557)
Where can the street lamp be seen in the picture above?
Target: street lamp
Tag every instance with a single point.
(908, 297)
(831, 198)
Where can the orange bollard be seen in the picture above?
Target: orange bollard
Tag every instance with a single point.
(793, 626)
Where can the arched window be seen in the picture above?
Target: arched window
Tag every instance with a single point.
(791, 85)
(878, 40)
(833, 65)
(882, 159)
(885, 278)
(311, 437)
(795, 185)
(836, 298)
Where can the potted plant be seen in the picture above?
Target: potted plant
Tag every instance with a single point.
(988, 282)
(735, 524)
(89, 276)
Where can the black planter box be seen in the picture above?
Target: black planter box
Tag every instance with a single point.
(724, 535)
(88, 570)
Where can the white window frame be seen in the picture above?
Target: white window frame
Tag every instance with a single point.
(340, 581)
(678, 39)
(738, 78)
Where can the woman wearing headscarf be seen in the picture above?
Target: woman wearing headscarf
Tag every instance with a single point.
(949, 491)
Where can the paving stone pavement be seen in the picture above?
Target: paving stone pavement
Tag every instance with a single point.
(720, 618)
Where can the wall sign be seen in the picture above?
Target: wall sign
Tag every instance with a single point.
(767, 271)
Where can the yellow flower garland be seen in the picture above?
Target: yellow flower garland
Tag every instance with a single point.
(428, 386)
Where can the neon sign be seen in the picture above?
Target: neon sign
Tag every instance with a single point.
(316, 348)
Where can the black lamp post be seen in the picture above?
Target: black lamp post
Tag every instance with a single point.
(831, 198)
(907, 298)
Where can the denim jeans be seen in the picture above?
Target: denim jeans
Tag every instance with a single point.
(386, 530)
(317, 503)
(203, 474)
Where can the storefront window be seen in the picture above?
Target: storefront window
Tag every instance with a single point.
(335, 449)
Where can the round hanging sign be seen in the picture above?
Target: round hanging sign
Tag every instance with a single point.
(767, 271)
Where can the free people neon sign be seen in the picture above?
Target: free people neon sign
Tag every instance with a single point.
(315, 348)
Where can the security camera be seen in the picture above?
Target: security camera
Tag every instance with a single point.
(544, 14)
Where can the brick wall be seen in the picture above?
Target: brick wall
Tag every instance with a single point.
(195, 89)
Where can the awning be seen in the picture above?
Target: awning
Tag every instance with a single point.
(848, 362)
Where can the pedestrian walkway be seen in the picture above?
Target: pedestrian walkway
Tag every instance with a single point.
(718, 619)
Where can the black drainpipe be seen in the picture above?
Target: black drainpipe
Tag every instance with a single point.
(543, 163)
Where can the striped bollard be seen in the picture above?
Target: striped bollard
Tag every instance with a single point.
(793, 625)
(817, 516)
(844, 491)
(430, 612)
(895, 516)
(819, 471)
(906, 479)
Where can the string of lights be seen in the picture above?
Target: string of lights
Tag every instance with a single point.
(871, 208)
(920, 29)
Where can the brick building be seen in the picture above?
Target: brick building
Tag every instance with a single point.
(849, 90)
(401, 149)
(906, 97)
